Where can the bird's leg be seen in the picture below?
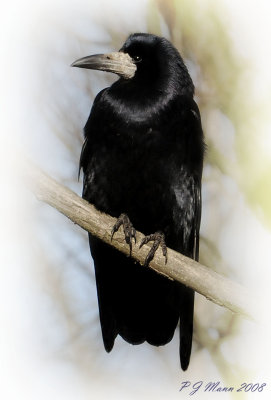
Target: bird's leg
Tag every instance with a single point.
(128, 229)
(159, 240)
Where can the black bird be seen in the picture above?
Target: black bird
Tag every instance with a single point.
(142, 161)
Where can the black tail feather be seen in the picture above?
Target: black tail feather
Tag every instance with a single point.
(186, 326)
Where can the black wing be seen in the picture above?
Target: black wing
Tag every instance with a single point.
(200, 147)
(93, 120)
(190, 216)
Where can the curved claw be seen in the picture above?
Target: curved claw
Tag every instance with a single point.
(128, 229)
(159, 240)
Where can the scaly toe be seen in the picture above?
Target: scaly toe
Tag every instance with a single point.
(158, 239)
(128, 229)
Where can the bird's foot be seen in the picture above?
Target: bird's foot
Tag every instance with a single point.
(159, 240)
(128, 229)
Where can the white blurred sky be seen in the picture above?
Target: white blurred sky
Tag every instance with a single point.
(23, 376)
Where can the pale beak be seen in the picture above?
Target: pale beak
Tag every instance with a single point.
(118, 62)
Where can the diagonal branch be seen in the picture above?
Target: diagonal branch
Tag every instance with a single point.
(203, 280)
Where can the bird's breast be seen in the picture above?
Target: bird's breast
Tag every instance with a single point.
(130, 174)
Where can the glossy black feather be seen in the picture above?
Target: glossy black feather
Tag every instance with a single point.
(143, 156)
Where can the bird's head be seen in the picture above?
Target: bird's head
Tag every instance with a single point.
(144, 58)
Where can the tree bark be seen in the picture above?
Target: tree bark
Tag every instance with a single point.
(203, 280)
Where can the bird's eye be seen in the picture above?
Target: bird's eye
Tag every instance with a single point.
(137, 59)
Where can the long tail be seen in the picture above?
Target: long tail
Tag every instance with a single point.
(186, 325)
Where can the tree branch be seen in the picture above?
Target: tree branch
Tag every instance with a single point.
(203, 280)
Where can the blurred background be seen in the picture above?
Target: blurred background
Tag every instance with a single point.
(51, 340)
